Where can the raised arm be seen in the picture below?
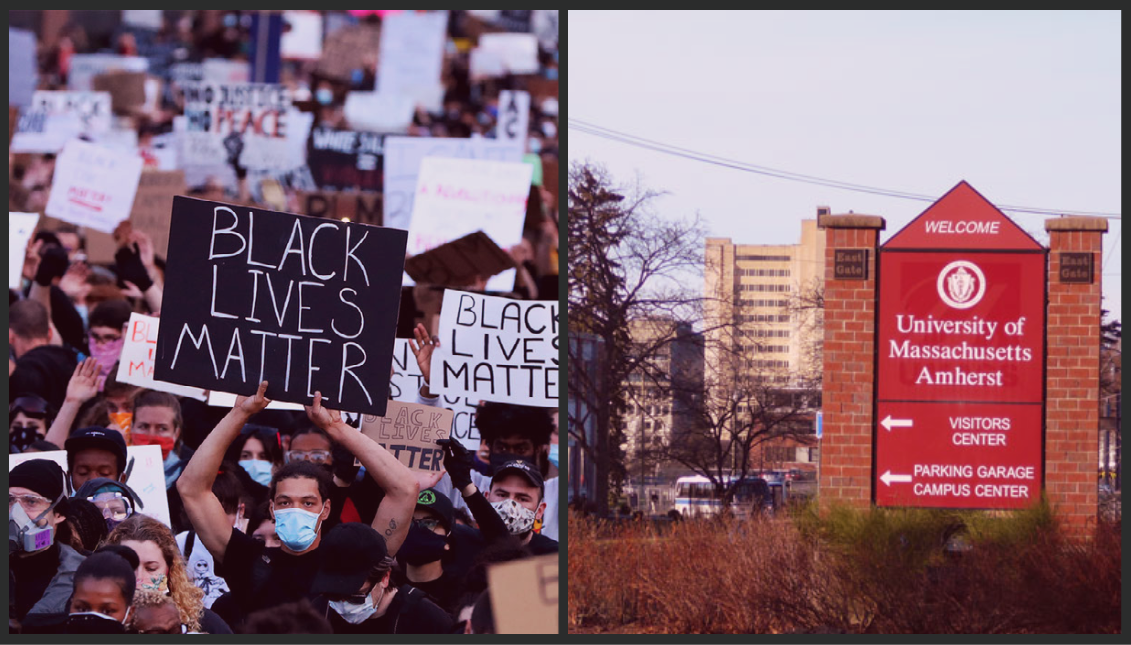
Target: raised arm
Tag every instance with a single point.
(195, 483)
(82, 388)
(394, 515)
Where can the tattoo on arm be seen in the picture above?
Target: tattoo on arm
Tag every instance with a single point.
(392, 527)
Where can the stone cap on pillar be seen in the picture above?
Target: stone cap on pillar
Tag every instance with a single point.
(851, 220)
(1076, 223)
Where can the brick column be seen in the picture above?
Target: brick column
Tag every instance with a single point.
(849, 364)
(1072, 395)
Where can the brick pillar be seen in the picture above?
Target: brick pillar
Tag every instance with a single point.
(1072, 396)
(849, 364)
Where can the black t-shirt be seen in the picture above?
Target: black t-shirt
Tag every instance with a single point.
(211, 623)
(410, 612)
(31, 574)
(541, 545)
(445, 591)
(261, 576)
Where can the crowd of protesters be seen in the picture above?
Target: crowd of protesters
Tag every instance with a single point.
(280, 521)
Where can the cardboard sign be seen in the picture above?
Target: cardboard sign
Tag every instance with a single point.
(305, 303)
(345, 160)
(147, 478)
(410, 431)
(224, 118)
(495, 349)
(379, 111)
(153, 206)
(405, 386)
(530, 583)
(348, 49)
(126, 89)
(347, 206)
(460, 262)
(412, 56)
(93, 186)
(22, 76)
(138, 357)
(84, 67)
(21, 226)
(455, 197)
(518, 52)
(514, 116)
(403, 156)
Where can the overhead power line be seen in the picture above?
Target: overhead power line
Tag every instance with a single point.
(694, 155)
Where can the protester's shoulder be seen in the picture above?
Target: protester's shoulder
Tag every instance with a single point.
(69, 559)
(420, 614)
(541, 545)
(211, 623)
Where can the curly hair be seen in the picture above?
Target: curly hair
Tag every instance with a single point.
(187, 596)
(147, 598)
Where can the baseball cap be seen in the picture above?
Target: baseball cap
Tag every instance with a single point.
(349, 552)
(524, 468)
(438, 503)
(100, 438)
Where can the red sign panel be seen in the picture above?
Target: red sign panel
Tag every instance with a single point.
(960, 361)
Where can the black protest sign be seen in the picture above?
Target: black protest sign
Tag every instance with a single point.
(460, 262)
(344, 159)
(307, 304)
(354, 206)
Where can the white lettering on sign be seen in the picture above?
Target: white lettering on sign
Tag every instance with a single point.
(959, 376)
(941, 490)
(963, 227)
(1001, 490)
(971, 439)
(979, 423)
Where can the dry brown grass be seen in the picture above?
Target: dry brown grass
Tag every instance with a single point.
(771, 577)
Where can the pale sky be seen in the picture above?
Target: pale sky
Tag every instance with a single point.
(1025, 106)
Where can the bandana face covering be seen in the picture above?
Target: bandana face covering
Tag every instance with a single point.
(107, 355)
(159, 583)
(166, 443)
(517, 517)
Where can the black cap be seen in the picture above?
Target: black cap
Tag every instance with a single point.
(349, 552)
(42, 476)
(524, 468)
(100, 438)
(438, 503)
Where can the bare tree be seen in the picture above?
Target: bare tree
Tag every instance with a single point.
(625, 264)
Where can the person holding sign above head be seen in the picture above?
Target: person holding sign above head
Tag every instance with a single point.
(299, 494)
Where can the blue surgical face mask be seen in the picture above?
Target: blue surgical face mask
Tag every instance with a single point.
(325, 96)
(554, 454)
(84, 313)
(535, 145)
(297, 529)
(259, 470)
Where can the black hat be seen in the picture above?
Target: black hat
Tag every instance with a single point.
(438, 503)
(350, 551)
(41, 476)
(100, 438)
(524, 468)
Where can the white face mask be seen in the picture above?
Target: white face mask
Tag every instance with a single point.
(355, 614)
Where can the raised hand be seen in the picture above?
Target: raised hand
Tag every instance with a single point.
(324, 418)
(422, 348)
(74, 282)
(253, 404)
(457, 461)
(83, 385)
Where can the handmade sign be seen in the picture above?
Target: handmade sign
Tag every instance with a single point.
(410, 431)
(348, 49)
(302, 39)
(348, 206)
(308, 304)
(20, 228)
(514, 116)
(153, 206)
(412, 56)
(139, 356)
(518, 53)
(93, 186)
(459, 262)
(344, 159)
(405, 386)
(147, 476)
(403, 156)
(55, 117)
(22, 75)
(126, 89)
(379, 111)
(223, 118)
(455, 197)
(496, 349)
(84, 67)
(531, 583)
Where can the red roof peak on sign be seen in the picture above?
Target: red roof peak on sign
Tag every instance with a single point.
(962, 219)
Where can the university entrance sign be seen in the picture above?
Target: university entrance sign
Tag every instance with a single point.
(960, 359)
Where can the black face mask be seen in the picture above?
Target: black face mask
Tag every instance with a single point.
(422, 546)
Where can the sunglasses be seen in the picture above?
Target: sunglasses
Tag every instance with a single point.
(429, 523)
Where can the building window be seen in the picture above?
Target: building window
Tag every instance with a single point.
(762, 258)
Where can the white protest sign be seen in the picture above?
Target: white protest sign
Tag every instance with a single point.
(378, 111)
(144, 18)
(223, 119)
(222, 70)
(405, 386)
(22, 75)
(514, 116)
(411, 56)
(497, 349)
(93, 186)
(55, 117)
(303, 39)
(227, 400)
(84, 67)
(267, 153)
(403, 156)
(147, 477)
(518, 52)
(20, 228)
(138, 355)
(455, 197)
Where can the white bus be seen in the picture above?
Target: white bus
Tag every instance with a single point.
(695, 496)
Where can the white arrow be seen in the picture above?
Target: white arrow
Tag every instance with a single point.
(890, 423)
(887, 478)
